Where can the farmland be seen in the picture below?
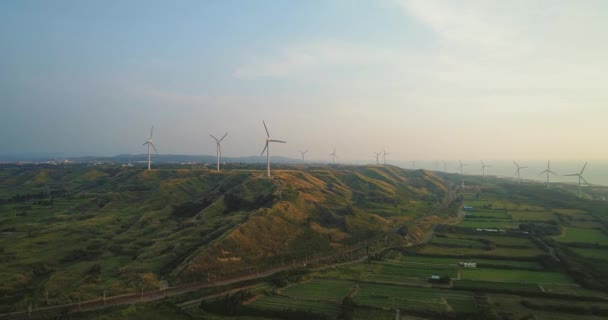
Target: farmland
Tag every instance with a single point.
(579, 235)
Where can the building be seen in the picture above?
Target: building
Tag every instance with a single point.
(468, 264)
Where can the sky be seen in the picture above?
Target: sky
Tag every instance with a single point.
(423, 79)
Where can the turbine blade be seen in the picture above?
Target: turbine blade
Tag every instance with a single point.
(265, 147)
(515, 163)
(281, 141)
(145, 143)
(266, 128)
(224, 137)
(544, 171)
(151, 132)
(583, 169)
(586, 182)
(153, 146)
(214, 138)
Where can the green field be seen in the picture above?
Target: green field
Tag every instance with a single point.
(532, 215)
(490, 286)
(487, 214)
(452, 262)
(488, 224)
(283, 303)
(518, 276)
(468, 252)
(383, 296)
(321, 289)
(601, 254)
(578, 235)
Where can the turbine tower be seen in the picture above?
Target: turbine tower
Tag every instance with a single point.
(384, 153)
(580, 178)
(333, 156)
(460, 167)
(218, 150)
(445, 166)
(483, 168)
(414, 164)
(303, 153)
(548, 171)
(149, 143)
(377, 156)
(267, 148)
(517, 171)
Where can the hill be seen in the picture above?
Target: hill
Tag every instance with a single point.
(77, 231)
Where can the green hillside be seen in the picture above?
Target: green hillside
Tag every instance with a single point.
(77, 231)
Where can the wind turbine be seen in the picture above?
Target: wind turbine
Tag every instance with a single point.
(460, 167)
(414, 164)
(333, 156)
(548, 171)
(377, 156)
(517, 171)
(384, 153)
(303, 153)
(218, 149)
(445, 166)
(149, 143)
(267, 148)
(483, 169)
(580, 177)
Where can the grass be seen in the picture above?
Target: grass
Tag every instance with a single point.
(283, 303)
(468, 252)
(488, 224)
(322, 289)
(384, 296)
(532, 215)
(453, 262)
(579, 235)
(487, 285)
(601, 254)
(518, 276)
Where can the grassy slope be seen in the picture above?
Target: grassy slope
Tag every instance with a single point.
(95, 229)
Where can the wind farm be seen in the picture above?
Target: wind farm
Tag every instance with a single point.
(403, 171)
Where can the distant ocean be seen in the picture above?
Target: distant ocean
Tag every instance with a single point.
(596, 172)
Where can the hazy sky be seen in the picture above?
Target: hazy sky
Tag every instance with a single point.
(426, 79)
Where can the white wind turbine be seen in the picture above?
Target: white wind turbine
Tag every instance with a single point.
(580, 178)
(333, 156)
(218, 150)
(149, 143)
(483, 168)
(267, 148)
(517, 171)
(460, 167)
(384, 153)
(548, 171)
(303, 153)
(377, 156)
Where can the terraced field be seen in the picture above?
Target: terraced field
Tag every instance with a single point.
(280, 303)
(387, 296)
(519, 276)
(321, 289)
(579, 235)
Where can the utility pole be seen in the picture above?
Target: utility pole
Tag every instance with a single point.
(47, 298)
(104, 297)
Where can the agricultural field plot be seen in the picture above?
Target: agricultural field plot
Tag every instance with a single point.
(532, 215)
(518, 276)
(469, 252)
(383, 296)
(585, 224)
(488, 224)
(403, 273)
(471, 243)
(570, 212)
(578, 235)
(487, 215)
(601, 254)
(320, 289)
(283, 303)
(507, 205)
(453, 262)
(511, 306)
(575, 290)
(492, 286)
(498, 240)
